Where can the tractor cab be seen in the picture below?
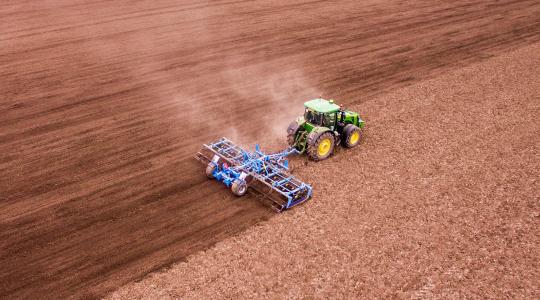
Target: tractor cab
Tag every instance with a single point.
(316, 118)
(320, 112)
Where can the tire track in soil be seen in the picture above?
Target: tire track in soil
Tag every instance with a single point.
(99, 187)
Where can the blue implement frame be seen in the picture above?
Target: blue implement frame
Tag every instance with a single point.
(264, 173)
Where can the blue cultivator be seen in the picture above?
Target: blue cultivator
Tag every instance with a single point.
(267, 174)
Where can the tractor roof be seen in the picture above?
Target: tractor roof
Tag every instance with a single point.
(322, 105)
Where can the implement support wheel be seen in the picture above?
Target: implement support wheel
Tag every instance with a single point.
(210, 170)
(239, 188)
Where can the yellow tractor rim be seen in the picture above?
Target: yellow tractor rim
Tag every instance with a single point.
(355, 136)
(324, 147)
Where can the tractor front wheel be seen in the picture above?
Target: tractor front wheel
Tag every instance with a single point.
(353, 135)
(239, 187)
(322, 147)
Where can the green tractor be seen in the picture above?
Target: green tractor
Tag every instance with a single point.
(324, 126)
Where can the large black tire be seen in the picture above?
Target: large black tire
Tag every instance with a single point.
(210, 170)
(239, 187)
(291, 133)
(322, 147)
(291, 138)
(352, 136)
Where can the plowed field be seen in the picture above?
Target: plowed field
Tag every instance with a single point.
(104, 104)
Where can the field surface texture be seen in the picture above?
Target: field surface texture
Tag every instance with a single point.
(441, 201)
(103, 106)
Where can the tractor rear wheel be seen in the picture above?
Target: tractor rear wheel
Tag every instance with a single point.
(353, 135)
(322, 147)
(291, 138)
(210, 170)
(239, 187)
(291, 133)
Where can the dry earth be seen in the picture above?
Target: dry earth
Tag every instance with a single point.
(102, 107)
(441, 201)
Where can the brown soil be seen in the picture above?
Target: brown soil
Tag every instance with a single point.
(441, 201)
(103, 107)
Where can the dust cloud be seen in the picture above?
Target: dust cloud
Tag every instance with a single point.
(274, 93)
(253, 104)
(211, 91)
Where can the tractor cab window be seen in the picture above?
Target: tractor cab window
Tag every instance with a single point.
(320, 119)
(313, 117)
(329, 120)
